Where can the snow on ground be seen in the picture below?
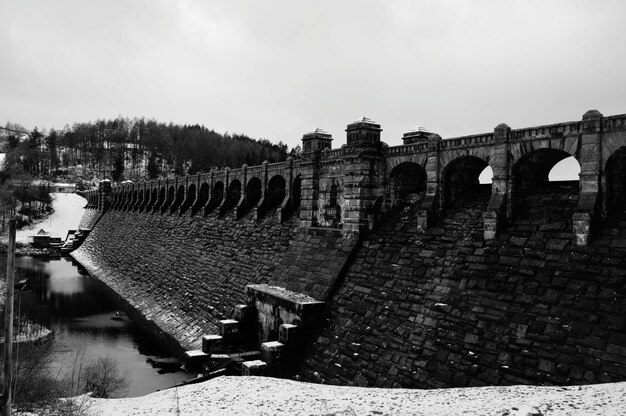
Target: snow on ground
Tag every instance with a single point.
(68, 210)
(226, 396)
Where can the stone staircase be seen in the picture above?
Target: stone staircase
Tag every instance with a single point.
(266, 336)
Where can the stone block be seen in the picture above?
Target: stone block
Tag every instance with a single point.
(195, 359)
(228, 328)
(253, 368)
(241, 312)
(210, 343)
(287, 333)
(272, 351)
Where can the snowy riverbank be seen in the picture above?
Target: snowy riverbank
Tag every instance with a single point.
(226, 396)
(68, 210)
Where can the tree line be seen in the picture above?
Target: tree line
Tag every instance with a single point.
(138, 148)
(120, 149)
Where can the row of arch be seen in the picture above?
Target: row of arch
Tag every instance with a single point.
(203, 198)
(408, 178)
(531, 172)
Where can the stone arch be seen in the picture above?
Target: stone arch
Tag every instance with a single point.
(234, 191)
(146, 199)
(171, 195)
(179, 198)
(218, 191)
(202, 199)
(407, 182)
(123, 195)
(162, 197)
(534, 197)
(461, 180)
(616, 182)
(115, 199)
(190, 199)
(253, 191)
(567, 169)
(154, 196)
(276, 190)
(134, 199)
(296, 188)
(532, 170)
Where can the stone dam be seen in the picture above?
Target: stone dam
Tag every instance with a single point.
(386, 266)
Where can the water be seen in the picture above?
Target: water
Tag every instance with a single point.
(79, 308)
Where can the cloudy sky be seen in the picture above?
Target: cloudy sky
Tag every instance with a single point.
(277, 69)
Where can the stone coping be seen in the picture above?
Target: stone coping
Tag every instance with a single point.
(294, 301)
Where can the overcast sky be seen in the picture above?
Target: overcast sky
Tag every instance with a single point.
(277, 69)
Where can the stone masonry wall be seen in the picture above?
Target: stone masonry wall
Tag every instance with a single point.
(89, 219)
(451, 309)
(313, 263)
(184, 273)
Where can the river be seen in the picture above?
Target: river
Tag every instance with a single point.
(79, 308)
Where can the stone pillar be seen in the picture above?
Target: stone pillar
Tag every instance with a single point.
(210, 199)
(500, 202)
(361, 176)
(312, 145)
(429, 208)
(590, 176)
(243, 194)
(104, 199)
(286, 204)
(223, 204)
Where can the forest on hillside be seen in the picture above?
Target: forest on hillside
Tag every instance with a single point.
(118, 149)
(136, 148)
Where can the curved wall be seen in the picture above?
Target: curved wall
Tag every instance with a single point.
(184, 273)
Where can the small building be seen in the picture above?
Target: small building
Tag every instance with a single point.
(64, 187)
(43, 239)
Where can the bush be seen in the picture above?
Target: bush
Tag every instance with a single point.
(102, 378)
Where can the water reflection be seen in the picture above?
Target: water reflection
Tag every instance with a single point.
(79, 309)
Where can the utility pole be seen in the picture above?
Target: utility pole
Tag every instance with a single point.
(8, 321)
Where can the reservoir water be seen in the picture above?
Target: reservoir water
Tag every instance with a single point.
(79, 309)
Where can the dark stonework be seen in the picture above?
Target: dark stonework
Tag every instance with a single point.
(429, 279)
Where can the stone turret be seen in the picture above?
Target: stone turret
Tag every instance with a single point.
(361, 180)
(363, 133)
(316, 140)
(418, 135)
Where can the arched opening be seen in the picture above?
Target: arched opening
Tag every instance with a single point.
(122, 200)
(115, 200)
(567, 169)
(538, 199)
(616, 183)
(161, 201)
(407, 183)
(234, 191)
(138, 200)
(275, 191)
(170, 196)
(203, 198)
(218, 192)
(191, 198)
(295, 192)
(154, 194)
(486, 176)
(178, 201)
(134, 199)
(462, 182)
(253, 191)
